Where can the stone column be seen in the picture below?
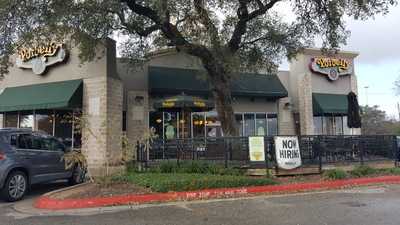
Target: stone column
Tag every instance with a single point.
(102, 124)
(285, 117)
(137, 117)
(1, 120)
(306, 105)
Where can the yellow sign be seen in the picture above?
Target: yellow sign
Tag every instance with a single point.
(256, 149)
(168, 104)
(200, 104)
(27, 54)
(341, 64)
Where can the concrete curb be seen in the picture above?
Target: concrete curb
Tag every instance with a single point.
(49, 203)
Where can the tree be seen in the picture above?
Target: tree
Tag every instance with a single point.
(376, 122)
(228, 36)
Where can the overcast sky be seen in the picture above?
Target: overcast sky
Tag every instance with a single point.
(378, 65)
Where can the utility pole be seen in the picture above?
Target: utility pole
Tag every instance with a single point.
(366, 94)
(398, 109)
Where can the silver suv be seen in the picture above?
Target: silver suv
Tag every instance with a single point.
(28, 157)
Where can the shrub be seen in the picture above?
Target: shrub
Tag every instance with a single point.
(168, 167)
(335, 174)
(196, 167)
(361, 171)
(161, 182)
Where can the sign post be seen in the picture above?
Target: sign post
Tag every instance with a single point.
(287, 152)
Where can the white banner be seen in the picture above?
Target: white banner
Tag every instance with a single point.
(287, 151)
(256, 149)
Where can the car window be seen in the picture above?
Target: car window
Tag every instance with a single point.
(52, 144)
(24, 141)
(13, 140)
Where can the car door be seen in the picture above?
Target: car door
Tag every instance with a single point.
(54, 152)
(29, 157)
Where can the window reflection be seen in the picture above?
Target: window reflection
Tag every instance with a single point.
(26, 120)
(44, 121)
(63, 127)
(261, 124)
(198, 125)
(239, 123)
(272, 124)
(170, 125)
(249, 125)
(11, 119)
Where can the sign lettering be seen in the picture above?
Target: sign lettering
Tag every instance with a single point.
(332, 67)
(39, 58)
(287, 152)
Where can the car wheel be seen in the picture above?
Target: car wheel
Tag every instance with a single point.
(78, 176)
(15, 187)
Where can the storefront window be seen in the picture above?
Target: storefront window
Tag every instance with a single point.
(63, 126)
(338, 125)
(170, 125)
(213, 125)
(272, 124)
(249, 124)
(331, 125)
(26, 119)
(184, 125)
(261, 124)
(346, 129)
(156, 122)
(11, 119)
(198, 125)
(318, 126)
(239, 123)
(44, 121)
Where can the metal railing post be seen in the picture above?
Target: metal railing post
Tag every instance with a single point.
(226, 147)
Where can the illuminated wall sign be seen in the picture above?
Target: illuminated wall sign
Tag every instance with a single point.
(40, 57)
(331, 67)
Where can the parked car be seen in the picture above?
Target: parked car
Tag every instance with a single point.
(28, 157)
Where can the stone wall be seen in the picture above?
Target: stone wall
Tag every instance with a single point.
(137, 117)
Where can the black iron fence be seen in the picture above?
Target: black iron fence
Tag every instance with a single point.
(234, 151)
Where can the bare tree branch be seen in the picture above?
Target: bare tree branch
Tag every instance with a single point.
(244, 17)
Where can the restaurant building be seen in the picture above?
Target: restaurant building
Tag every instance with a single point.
(91, 105)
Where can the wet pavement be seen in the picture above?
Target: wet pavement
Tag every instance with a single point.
(361, 206)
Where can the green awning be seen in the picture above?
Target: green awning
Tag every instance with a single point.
(65, 94)
(329, 104)
(164, 80)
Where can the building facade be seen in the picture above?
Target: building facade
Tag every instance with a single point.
(91, 105)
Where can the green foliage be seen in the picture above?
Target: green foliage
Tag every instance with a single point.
(74, 158)
(335, 174)
(253, 31)
(196, 167)
(376, 121)
(164, 182)
(362, 171)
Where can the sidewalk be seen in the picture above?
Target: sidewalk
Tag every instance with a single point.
(47, 202)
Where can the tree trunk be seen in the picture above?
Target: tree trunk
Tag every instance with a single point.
(221, 90)
(219, 78)
(223, 99)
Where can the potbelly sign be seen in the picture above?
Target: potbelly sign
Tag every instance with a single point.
(287, 152)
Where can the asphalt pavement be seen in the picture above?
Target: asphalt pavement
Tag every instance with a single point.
(378, 205)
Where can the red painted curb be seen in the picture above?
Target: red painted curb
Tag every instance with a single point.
(46, 202)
